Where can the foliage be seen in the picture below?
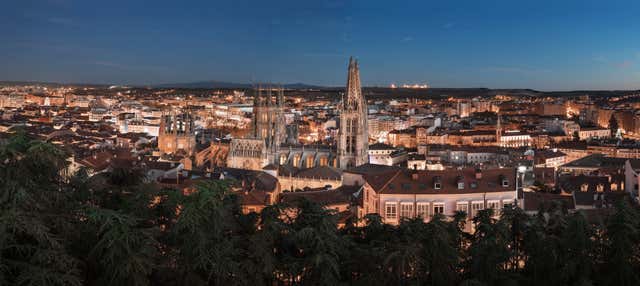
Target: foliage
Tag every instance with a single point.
(115, 229)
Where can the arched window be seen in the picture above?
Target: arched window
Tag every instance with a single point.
(296, 160)
(309, 162)
(324, 161)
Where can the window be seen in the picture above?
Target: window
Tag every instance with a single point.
(406, 210)
(461, 185)
(505, 182)
(475, 207)
(438, 208)
(391, 211)
(296, 160)
(463, 206)
(422, 210)
(495, 205)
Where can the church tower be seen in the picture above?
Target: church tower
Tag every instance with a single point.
(177, 134)
(268, 119)
(353, 137)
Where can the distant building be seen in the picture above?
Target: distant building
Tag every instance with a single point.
(177, 134)
(594, 133)
(549, 158)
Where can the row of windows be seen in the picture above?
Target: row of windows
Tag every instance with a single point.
(460, 185)
(426, 210)
(324, 161)
(423, 210)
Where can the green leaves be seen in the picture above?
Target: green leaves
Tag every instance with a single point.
(124, 252)
(115, 229)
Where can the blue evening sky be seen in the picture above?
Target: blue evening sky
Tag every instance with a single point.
(559, 44)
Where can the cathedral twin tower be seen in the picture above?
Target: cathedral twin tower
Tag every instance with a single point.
(269, 133)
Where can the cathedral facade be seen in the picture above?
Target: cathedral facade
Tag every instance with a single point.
(269, 142)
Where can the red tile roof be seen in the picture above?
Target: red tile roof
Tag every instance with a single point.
(423, 182)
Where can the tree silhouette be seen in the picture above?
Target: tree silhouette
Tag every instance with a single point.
(114, 228)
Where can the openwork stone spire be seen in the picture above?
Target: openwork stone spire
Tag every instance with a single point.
(353, 99)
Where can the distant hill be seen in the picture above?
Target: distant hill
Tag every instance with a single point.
(371, 92)
(223, 84)
(45, 83)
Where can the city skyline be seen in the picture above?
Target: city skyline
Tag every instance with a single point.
(544, 46)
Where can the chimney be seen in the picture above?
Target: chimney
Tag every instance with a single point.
(478, 174)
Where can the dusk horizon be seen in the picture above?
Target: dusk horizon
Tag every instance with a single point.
(543, 45)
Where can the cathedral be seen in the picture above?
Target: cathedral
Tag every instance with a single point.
(273, 143)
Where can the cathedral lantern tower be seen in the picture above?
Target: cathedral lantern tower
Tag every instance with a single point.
(353, 137)
(177, 134)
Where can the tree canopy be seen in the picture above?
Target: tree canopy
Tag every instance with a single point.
(115, 229)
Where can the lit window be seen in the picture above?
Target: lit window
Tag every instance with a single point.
(495, 205)
(438, 208)
(391, 211)
(406, 210)
(422, 210)
(463, 207)
(475, 207)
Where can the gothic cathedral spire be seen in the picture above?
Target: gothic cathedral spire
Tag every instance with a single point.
(353, 136)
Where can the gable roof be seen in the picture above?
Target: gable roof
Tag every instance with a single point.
(341, 195)
(424, 182)
(599, 161)
(533, 200)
